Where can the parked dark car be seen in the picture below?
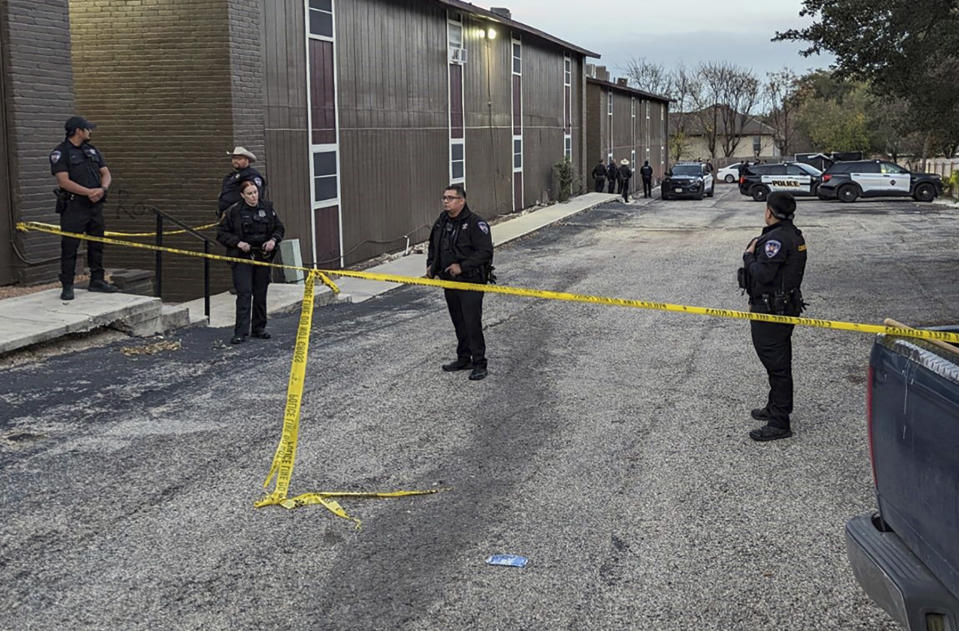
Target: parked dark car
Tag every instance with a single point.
(798, 178)
(687, 179)
(848, 181)
(906, 555)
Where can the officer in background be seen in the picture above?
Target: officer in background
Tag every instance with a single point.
(83, 179)
(241, 158)
(646, 172)
(461, 249)
(599, 176)
(612, 174)
(625, 173)
(772, 272)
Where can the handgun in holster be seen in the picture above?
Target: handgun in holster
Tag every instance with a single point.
(63, 197)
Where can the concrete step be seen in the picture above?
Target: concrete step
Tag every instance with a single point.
(42, 316)
(175, 317)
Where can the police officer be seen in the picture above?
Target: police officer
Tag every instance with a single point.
(773, 267)
(646, 172)
(612, 174)
(83, 178)
(241, 158)
(250, 229)
(599, 176)
(625, 173)
(461, 249)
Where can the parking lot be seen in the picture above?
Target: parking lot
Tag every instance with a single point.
(607, 445)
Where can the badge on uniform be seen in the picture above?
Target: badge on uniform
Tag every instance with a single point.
(772, 248)
(55, 157)
(262, 213)
(483, 226)
(466, 225)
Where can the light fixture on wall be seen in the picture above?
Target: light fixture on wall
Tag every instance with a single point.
(490, 33)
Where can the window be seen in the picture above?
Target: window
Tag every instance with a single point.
(324, 176)
(889, 167)
(517, 57)
(792, 169)
(632, 107)
(609, 103)
(568, 147)
(517, 154)
(567, 71)
(321, 18)
(647, 110)
(632, 160)
(457, 162)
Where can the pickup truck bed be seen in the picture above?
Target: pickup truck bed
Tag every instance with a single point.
(906, 556)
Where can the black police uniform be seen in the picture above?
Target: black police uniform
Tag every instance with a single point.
(647, 172)
(612, 174)
(77, 213)
(465, 240)
(255, 225)
(625, 173)
(774, 273)
(599, 176)
(230, 188)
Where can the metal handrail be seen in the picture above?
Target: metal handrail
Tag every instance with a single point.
(158, 274)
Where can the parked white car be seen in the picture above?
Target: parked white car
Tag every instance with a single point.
(728, 174)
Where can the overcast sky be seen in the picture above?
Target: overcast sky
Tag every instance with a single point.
(667, 33)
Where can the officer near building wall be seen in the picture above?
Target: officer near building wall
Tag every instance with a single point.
(241, 158)
(646, 172)
(83, 180)
(461, 249)
(612, 175)
(599, 176)
(772, 273)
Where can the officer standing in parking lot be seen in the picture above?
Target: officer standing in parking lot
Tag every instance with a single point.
(772, 272)
(461, 249)
(612, 175)
(599, 176)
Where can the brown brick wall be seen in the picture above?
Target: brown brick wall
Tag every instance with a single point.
(155, 75)
(38, 100)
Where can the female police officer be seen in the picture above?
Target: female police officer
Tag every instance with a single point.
(250, 229)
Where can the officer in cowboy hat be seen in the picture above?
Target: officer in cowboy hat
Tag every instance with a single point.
(241, 158)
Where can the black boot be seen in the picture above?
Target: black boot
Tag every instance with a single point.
(67, 292)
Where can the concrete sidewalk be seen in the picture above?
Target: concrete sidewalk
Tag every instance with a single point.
(42, 316)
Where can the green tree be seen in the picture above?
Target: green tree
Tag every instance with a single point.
(904, 48)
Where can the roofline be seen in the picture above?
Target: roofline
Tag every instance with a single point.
(648, 95)
(495, 17)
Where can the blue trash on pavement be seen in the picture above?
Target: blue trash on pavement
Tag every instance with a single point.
(511, 560)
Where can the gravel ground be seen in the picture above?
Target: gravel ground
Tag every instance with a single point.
(608, 445)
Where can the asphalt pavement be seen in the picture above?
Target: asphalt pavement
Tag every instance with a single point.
(608, 445)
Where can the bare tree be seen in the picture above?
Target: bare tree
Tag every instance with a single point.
(648, 76)
(781, 93)
(724, 104)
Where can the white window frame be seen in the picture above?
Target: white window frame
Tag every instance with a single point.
(567, 114)
(316, 148)
(452, 24)
(462, 179)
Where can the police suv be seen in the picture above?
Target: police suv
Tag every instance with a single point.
(798, 178)
(687, 179)
(848, 181)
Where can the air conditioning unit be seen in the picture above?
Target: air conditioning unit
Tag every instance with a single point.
(457, 55)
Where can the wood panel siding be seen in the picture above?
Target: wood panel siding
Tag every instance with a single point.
(489, 170)
(394, 122)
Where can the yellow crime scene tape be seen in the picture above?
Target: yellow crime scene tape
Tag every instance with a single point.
(110, 233)
(283, 460)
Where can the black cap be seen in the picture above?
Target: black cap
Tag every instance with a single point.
(78, 122)
(781, 205)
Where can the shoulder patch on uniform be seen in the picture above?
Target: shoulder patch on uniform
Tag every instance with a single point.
(55, 156)
(802, 247)
(772, 248)
(258, 182)
(482, 225)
